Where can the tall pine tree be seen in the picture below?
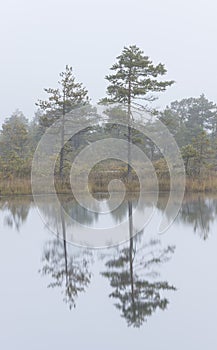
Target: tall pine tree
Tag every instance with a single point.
(62, 100)
(135, 79)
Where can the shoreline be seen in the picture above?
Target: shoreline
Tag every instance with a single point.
(22, 187)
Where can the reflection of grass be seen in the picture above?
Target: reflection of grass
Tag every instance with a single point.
(99, 180)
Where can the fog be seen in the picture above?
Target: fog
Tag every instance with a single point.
(39, 38)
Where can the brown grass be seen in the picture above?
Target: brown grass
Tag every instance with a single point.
(99, 181)
(15, 187)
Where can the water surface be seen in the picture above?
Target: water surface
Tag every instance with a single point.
(153, 291)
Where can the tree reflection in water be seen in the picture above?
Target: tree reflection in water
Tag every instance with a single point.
(198, 212)
(132, 270)
(132, 275)
(68, 270)
(16, 210)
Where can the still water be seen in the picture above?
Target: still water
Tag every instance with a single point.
(155, 291)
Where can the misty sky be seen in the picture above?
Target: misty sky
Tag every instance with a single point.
(38, 38)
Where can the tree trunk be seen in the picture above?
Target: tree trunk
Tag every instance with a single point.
(62, 153)
(129, 138)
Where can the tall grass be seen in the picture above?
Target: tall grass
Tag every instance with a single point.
(15, 186)
(99, 182)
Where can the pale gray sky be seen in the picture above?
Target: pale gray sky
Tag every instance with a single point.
(38, 38)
